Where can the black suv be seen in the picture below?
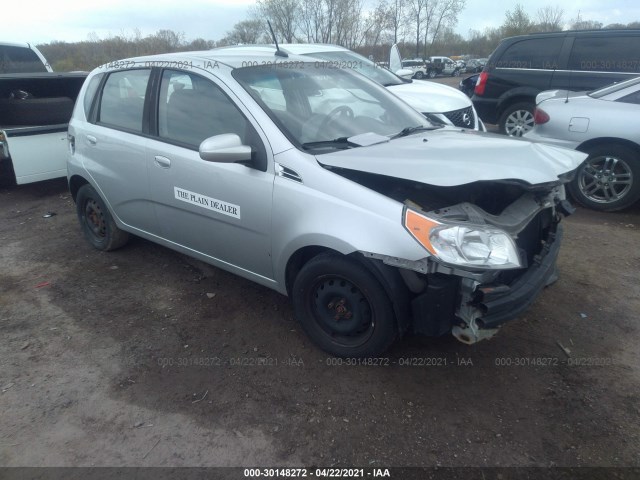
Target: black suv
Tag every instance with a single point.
(523, 66)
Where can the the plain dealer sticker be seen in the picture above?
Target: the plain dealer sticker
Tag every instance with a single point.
(207, 202)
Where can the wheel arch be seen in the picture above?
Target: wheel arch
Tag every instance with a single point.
(75, 183)
(596, 142)
(513, 97)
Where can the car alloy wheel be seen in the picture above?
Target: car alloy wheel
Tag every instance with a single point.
(605, 179)
(517, 119)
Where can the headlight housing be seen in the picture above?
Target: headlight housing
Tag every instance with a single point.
(474, 246)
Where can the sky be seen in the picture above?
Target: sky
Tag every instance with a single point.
(75, 20)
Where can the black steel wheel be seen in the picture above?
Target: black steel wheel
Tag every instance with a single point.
(96, 221)
(343, 308)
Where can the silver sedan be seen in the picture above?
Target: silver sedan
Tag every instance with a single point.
(604, 123)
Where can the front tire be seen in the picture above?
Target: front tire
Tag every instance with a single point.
(609, 179)
(96, 221)
(517, 119)
(343, 308)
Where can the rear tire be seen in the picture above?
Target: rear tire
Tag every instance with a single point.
(419, 75)
(609, 179)
(432, 74)
(517, 119)
(343, 308)
(96, 221)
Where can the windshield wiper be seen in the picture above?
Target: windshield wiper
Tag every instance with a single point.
(409, 130)
(341, 142)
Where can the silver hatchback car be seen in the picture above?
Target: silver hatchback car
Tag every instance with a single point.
(316, 182)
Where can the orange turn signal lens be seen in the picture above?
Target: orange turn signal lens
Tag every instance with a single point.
(420, 228)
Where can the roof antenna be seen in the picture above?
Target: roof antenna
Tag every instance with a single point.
(279, 52)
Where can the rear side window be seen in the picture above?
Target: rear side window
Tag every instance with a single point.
(632, 98)
(122, 101)
(89, 95)
(606, 54)
(19, 60)
(538, 53)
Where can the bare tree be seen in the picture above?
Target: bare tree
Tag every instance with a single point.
(517, 22)
(550, 18)
(397, 17)
(579, 24)
(416, 13)
(283, 15)
(376, 23)
(246, 31)
(441, 14)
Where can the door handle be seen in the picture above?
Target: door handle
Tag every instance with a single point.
(163, 162)
(92, 140)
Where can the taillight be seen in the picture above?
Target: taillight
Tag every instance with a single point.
(540, 116)
(481, 83)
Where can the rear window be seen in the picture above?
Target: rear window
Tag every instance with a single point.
(606, 54)
(122, 101)
(538, 53)
(19, 60)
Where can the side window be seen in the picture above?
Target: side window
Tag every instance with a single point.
(606, 54)
(193, 108)
(90, 93)
(122, 101)
(538, 53)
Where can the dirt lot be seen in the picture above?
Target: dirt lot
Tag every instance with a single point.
(144, 357)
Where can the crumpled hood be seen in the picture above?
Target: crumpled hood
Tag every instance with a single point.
(449, 157)
(431, 97)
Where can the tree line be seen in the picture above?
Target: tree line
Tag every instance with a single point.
(420, 27)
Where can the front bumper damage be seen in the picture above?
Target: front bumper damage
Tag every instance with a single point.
(484, 306)
(473, 304)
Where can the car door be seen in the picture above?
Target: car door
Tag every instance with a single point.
(221, 210)
(113, 147)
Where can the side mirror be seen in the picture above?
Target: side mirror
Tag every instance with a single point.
(405, 73)
(225, 148)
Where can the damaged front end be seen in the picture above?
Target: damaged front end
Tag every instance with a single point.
(493, 246)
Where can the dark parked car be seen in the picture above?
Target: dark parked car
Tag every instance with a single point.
(473, 66)
(523, 66)
(467, 85)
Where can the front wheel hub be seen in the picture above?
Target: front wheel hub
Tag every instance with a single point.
(341, 309)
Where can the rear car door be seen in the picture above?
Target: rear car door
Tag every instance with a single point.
(113, 147)
(598, 60)
(221, 210)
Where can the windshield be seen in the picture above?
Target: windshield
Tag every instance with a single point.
(348, 59)
(614, 88)
(319, 103)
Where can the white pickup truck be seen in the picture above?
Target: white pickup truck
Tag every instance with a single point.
(35, 107)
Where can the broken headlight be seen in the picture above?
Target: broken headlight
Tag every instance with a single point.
(475, 246)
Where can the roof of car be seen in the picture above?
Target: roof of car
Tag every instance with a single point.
(232, 57)
(294, 48)
(602, 31)
(15, 44)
